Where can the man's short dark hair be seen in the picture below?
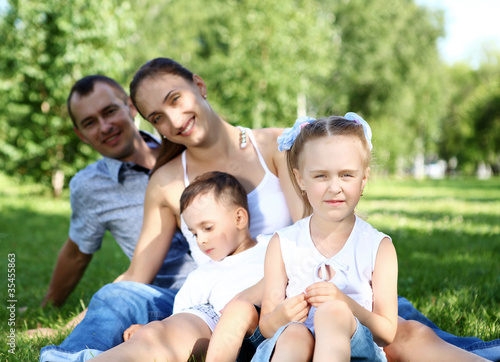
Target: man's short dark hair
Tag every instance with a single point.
(85, 86)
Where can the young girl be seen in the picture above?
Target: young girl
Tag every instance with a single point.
(330, 279)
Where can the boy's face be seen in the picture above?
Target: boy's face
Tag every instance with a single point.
(215, 225)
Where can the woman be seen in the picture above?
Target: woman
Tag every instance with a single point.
(196, 140)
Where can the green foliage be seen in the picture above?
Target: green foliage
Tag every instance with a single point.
(46, 46)
(389, 71)
(472, 126)
(265, 55)
(264, 62)
(256, 56)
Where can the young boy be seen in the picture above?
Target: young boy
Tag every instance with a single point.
(214, 207)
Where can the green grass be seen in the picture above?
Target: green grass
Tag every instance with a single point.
(447, 234)
(34, 225)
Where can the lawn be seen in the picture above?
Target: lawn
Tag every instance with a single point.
(447, 234)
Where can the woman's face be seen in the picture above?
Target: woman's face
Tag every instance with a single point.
(175, 107)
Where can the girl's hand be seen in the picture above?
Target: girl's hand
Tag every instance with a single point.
(293, 309)
(321, 292)
(130, 331)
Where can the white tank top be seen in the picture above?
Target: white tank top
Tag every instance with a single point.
(353, 264)
(266, 203)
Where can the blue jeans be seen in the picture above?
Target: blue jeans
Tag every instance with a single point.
(489, 350)
(112, 310)
(116, 306)
(177, 264)
(363, 348)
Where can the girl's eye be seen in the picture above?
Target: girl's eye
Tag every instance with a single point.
(346, 175)
(174, 99)
(208, 228)
(319, 176)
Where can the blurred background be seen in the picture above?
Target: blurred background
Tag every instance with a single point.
(419, 71)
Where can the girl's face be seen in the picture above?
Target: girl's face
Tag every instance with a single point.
(175, 107)
(333, 173)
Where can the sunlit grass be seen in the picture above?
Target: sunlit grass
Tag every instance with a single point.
(447, 234)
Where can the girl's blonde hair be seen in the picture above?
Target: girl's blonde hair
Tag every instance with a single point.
(322, 127)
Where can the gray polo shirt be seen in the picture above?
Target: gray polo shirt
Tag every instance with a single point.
(109, 195)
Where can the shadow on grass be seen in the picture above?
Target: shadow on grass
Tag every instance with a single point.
(429, 198)
(440, 260)
(492, 184)
(465, 216)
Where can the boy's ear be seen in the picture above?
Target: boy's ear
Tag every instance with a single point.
(298, 178)
(241, 218)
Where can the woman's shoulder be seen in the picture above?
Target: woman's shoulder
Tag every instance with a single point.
(266, 135)
(266, 139)
(167, 182)
(170, 171)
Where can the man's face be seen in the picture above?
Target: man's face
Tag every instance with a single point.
(105, 121)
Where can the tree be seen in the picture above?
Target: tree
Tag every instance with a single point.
(263, 55)
(257, 57)
(389, 71)
(456, 127)
(45, 47)
(472, 123)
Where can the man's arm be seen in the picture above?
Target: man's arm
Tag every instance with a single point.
(70, 266)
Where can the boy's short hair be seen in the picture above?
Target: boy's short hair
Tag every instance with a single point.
(224, 186)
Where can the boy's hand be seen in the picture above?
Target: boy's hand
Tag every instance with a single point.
(293, 309)
(130, 331)
(321, 292)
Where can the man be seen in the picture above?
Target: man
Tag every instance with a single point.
(109, 194)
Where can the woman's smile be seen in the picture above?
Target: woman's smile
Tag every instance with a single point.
(188, 127)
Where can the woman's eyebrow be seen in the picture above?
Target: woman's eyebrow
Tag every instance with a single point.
(163, 101)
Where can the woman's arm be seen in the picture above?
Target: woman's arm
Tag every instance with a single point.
(276, 310)
(158, 228)
(276, 162)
